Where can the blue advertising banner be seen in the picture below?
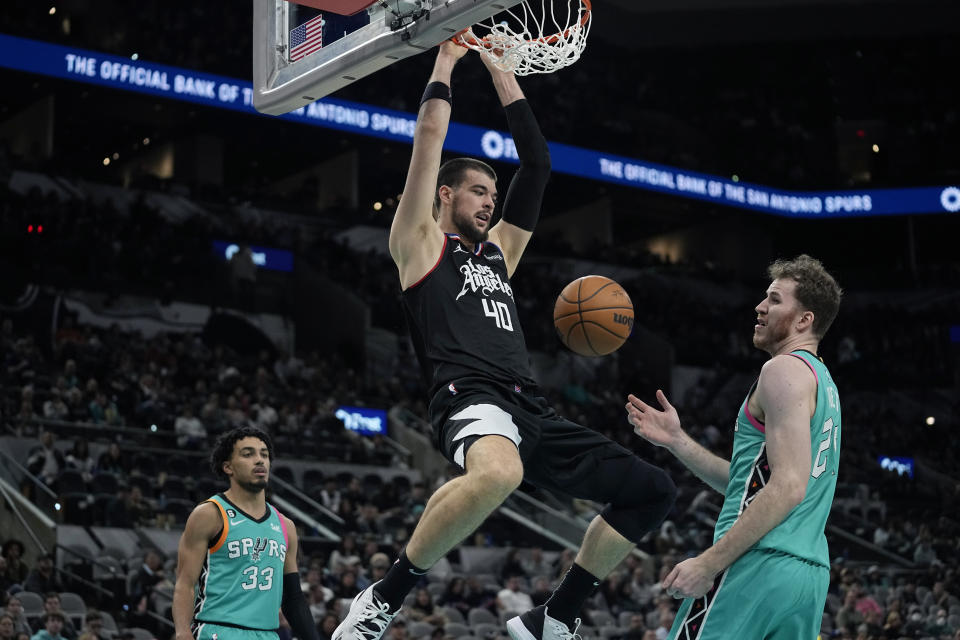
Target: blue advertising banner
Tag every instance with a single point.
(900, 465)
(228, 93)
(366, 422)
(263, 257)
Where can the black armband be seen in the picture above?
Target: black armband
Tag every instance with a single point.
(295, 609)
(437, 90)
(524, 198)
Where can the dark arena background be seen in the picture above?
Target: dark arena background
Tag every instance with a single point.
(173, 264)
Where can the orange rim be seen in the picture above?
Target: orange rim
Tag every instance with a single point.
(460, 40)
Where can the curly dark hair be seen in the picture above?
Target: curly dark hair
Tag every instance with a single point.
(223, 448)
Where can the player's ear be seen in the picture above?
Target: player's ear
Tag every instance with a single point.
(806, 320)
(445, 192)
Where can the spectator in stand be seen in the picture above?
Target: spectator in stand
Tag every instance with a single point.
(455, 595)
(328, 624)
(534, 564)
(369, 519)
(346, 554)
(43, 578)
(847, 616)
(17, 569)
(53, 624)
(113, 461)
(46, 461)
(424, 610)
(93, 627)
(79, 458)
(51, 606)
(636, 630)
(415, 503)
(104, 410)
(379, 563)
(7, 631)
(478, 595)
(893, 627)
(55, 408)
(128, 508)
(511, 567)
(149, 575)
(191, 433)
(15, 611)
(541, 591)
(6, 581)
(348, 584)
(512, 598)
(330, 495)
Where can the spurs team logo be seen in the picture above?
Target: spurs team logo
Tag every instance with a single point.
(255, 548)
(480, 277)
(258, 547)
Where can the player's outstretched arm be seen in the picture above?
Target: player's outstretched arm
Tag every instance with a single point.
(415, 238)
(663, 429)
(786, 392)
(521, 207)
(202, 525)
(294, 604)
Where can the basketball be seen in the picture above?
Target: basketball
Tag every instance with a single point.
(593, 316)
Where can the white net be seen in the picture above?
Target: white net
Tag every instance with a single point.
(530, 39)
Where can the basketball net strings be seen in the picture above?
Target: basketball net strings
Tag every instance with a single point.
(540, 45)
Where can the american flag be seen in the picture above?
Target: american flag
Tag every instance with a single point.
(306, 38)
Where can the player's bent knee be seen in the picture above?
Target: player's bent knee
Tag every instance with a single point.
(647, 494)
(494, 465)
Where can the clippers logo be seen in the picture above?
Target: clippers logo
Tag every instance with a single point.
(480, 277)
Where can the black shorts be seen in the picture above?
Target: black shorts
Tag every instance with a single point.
(557, 454)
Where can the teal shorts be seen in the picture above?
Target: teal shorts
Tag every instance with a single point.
(210, 631)
(762, 596)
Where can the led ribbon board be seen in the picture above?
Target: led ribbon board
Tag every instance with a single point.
(217, 91)
(366, 422)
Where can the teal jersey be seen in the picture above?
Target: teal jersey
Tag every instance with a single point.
(801, 532)
(241, 583)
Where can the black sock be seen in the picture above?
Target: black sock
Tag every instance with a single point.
(401, 578)
(577, 585)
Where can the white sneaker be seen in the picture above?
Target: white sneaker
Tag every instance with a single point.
(536, 624)
(367, 619)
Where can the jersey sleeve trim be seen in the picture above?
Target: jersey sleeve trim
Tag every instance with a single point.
(283, 525)
(224, 530)
(443, 252)
(808, 363)
(756, 423)
(495, 246)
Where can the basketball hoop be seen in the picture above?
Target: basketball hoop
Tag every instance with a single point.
(526, 41)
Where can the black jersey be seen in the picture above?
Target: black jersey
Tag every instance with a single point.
(463, 319)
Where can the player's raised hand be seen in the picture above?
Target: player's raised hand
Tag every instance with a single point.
(451, 49)
(662, 428)
(490, 59)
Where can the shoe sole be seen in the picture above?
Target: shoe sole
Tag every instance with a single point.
(518, 630)
(338, 633)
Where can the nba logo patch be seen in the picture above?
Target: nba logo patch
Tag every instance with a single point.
(452, 389)
(517, 388)
(215, 637)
